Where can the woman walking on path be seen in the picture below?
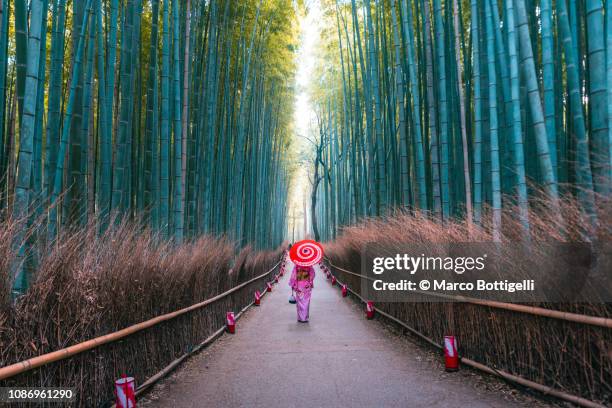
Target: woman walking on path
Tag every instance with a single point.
(301, 283)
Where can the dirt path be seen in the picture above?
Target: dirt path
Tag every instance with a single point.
(338, 359)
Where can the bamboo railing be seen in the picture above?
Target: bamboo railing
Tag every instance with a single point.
(533, 310)
(546, 390)
(62, 354)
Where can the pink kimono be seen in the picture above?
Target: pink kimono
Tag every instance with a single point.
(303, 291)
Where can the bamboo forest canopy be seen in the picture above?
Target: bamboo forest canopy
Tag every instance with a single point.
(463, 108)
(173, 113)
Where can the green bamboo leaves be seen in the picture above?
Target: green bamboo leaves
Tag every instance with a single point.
(487, 99)
(162, 112)
(176, 114)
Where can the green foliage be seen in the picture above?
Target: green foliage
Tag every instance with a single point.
(183, 133)
(495, 82)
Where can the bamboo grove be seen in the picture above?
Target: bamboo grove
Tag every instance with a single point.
(459, 107)
(172, 113)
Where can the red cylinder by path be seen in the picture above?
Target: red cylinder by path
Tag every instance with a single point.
(257, 298)
(328, 275)
(125, 396)
(344, 291)
(370, 309)
(269, 287)
(231, 322)
(333, 280)
(276, 279)
(451, 357)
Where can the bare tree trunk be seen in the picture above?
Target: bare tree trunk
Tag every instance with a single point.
(313, 201)
(305, 219)
(313, 207)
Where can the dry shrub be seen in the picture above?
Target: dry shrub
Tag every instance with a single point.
(7, 231)
(88, 285)
(564, 355)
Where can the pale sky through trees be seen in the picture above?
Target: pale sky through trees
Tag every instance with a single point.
(305, 119)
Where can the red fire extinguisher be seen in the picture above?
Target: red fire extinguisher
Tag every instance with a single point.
(231, 322)
(344, 291)
(257, 298)
(269, 287)
(451, 357)
(333, 280)
(370, 309)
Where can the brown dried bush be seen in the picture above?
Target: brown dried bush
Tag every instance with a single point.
(570, 356)
(89, 285)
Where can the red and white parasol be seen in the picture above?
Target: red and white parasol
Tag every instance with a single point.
(306, 253)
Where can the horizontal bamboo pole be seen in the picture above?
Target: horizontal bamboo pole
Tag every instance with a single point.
(583, 402)
(175, 363)
(533, 310)
(35, 362)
